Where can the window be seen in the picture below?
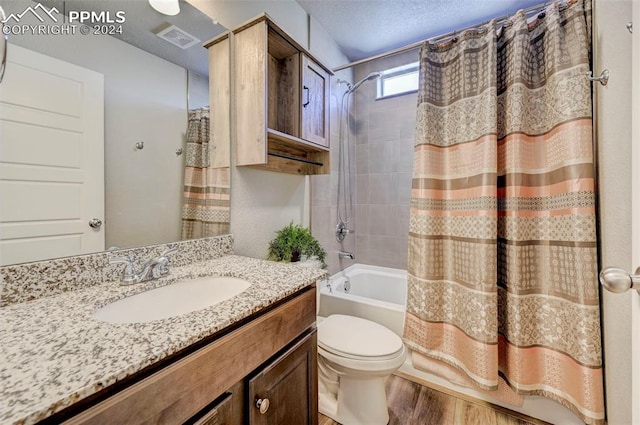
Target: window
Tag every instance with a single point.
(398, 81)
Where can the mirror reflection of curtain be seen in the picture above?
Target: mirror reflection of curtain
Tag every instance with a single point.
(205, 211)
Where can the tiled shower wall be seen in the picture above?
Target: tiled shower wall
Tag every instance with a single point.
(382, 158)
(324, 188)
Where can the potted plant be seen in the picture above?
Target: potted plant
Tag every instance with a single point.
(293, 243)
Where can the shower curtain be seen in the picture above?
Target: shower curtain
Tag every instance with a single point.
(502, 244)
(205, 211)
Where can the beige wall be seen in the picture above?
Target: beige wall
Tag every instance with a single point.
(261, 203)
(145, 100)
(198, 90)
(612, 50)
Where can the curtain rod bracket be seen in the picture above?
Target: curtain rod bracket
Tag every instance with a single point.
(603, 78)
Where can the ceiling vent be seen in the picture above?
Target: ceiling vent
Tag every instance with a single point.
(177, 37)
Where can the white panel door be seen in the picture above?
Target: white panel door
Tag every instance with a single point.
(51, 158)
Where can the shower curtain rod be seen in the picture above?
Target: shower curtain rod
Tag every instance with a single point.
(537, 8)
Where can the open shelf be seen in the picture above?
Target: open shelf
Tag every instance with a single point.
(290, 154)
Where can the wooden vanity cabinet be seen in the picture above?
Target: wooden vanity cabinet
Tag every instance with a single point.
(281, 101)
(290, 384)
(220, 413)
(274, 353)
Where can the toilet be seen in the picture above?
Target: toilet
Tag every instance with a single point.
(355, 359)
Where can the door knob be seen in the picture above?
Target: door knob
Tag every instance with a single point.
(95, 223)
(263, 405)
(618, 280)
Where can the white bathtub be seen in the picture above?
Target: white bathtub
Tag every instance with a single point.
(375, 293)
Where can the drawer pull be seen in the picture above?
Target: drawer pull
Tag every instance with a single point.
(262, 405)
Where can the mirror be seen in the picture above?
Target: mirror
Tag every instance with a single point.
(150, 85)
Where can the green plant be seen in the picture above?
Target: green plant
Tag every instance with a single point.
(294, 241)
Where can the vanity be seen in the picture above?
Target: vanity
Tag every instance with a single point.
(250, 359)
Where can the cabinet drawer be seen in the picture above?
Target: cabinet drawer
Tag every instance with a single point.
(185, 387)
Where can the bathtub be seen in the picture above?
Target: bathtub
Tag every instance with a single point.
(375, 293)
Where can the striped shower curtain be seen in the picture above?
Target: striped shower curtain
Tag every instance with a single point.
(205, 210)
(502, 244)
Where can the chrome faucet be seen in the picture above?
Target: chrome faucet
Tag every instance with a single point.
(346, 254)
(154, 268)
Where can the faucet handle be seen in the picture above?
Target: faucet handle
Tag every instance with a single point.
(129, 275)
(162, 268)
(342, 231)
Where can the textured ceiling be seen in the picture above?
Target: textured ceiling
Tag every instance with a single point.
(361, 27)
(143, 22)
(368, 27)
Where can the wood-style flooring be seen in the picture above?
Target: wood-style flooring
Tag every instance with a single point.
(413, 404)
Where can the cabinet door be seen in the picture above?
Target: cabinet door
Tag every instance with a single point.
(250, 94)
(290, 384)
(315, 103)
(219, 99)
(220, 414)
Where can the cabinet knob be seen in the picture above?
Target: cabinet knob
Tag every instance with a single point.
(262, 404)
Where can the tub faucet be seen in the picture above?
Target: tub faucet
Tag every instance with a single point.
(328, 283)
(347, 255)
(154, 268)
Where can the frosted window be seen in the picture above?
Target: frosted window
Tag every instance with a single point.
(398, 81)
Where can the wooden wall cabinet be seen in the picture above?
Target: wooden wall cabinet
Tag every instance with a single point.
(219, 100)
(272, 356)
(315, 106)
(281, 105)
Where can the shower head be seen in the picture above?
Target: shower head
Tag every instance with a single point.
(370, 77)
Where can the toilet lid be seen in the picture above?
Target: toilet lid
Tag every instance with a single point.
(353, 336)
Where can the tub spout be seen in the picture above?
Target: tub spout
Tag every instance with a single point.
(347, 255)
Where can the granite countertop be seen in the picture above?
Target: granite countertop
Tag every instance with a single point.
(53, 353)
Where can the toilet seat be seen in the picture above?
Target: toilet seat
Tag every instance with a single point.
(358, 339)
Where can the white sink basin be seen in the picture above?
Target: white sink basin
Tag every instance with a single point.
(172, 300)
